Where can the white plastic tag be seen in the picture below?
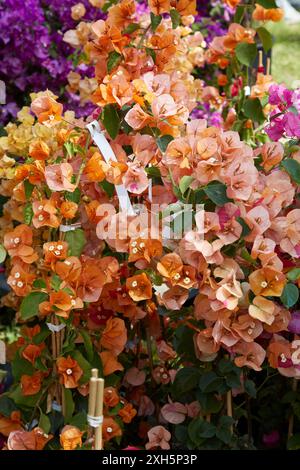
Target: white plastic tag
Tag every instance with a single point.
(108, 155)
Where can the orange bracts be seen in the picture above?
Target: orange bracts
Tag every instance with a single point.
(69, 371)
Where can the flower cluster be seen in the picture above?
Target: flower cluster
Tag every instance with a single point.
(159, 248)
(33, 54)
(284, 116)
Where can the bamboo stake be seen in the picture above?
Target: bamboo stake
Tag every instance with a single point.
(229, 406)
(268, 66)
(291, 418)
(260, 59)
(92, 399)
(95, 408)
(99, 412)
(53, 340)
(92, 396)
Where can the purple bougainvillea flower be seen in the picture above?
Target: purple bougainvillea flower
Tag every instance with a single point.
(271, 439)
(294, 324)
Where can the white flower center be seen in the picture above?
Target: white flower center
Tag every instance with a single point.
(283, 358)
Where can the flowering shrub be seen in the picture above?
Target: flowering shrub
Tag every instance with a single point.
(154, 246)
(33, 55)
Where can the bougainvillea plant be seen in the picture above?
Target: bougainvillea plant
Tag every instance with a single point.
(172, 267)
(34, 56)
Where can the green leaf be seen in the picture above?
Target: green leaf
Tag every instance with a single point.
(30, 304)
(186, 380)
(246, 53)
(175, 17)
(44, 423)
(233, 380)
(88, 345)
(250, 388)
(40, 365)
(28, 214)
(185, 183)
(180, 433)
(79, 420)
(267, 3)
(69, 404)
(84, 364)
(266, 38)
(74, 196)
(29, 401)
(21, 366)
(216, 191)
(2, 253)
(253, 110)
(69, 146)
(153, 172)
(164, 141)
(108, 4)
(7, 406)
(210, 382)
(198, 428)
(239, 13)
(294, 442)
(28, 187)
(183, 344)
(293, 169)
(109, 188)
(290, 295)
(39, 284)
(76, 241)
(55, 282)
(246, 229)
(290, 397)
(114, 58)
(151, 53)
(155, 21)
(293, 274)
(111, 120)
(209, 403)
(42, 335)
(223, 430)
(247, 257)
(131, 28)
